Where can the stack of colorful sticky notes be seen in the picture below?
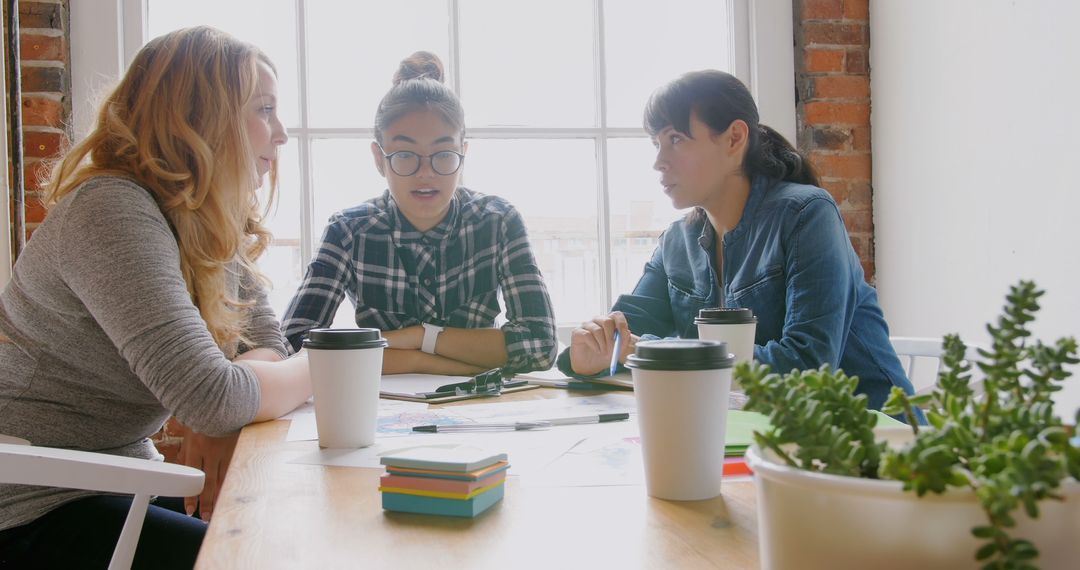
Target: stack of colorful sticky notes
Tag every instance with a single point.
(457, 482)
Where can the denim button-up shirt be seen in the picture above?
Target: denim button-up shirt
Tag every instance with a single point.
(791, 262)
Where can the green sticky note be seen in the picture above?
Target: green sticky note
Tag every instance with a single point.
(884, 420)
(741, 426)
(740, 430)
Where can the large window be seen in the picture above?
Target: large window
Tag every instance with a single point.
(553, 94)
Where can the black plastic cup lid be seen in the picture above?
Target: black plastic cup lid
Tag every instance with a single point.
(680, 354)
(725, 316)
(344, 339)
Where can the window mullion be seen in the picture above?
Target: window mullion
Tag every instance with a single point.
(303, 141)
(603, 199)
(455, 47)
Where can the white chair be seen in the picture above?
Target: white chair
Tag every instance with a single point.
(24, 464)
(914, 350)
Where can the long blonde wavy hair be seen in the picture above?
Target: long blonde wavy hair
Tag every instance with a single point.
(175, 125)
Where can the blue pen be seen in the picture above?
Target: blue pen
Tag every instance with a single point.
(615, 352)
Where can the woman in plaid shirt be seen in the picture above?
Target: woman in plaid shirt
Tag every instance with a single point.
(426, 261)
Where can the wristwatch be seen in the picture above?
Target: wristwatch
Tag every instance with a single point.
(431, 336)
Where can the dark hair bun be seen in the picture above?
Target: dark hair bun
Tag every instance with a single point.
(420, 65)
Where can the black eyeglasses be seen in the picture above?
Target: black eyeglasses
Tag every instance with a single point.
(407, 162)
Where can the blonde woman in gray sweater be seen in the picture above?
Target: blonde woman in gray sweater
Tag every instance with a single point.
(138, 299)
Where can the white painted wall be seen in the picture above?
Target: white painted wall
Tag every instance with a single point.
(976, 139)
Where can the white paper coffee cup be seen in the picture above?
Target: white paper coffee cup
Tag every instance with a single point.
(681, 387)
(734, 325)
(346, 368)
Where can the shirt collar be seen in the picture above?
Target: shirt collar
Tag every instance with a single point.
(707, 238)
(758, 187)
(404, 233)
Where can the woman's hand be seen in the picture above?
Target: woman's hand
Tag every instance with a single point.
(212, 456)
(591, 344)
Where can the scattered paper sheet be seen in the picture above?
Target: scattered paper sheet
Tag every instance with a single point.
(528, 451)
(394, 419)
(529, 410)
(584, 455)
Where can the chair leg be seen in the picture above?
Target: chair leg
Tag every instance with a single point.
(124, 553)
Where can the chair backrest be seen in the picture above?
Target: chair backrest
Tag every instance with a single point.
(24, 464)
(921, 359)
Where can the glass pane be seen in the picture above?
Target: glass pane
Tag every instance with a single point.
(553, 184)
(647, 47)
(269, 24)
(527, 63)
(282, 265)
(354, 48)
(343, 175)
(284, 216)
(639, 209)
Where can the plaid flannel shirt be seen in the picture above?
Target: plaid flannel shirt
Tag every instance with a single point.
(397, 276)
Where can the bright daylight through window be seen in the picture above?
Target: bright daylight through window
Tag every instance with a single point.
(553, 94)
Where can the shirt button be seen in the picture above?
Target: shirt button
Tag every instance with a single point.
(427, 282)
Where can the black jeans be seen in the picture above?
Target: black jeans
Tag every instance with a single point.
(83, 534)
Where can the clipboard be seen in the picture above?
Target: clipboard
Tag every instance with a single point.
(439, 389)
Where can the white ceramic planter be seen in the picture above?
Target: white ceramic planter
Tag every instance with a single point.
(811, 520)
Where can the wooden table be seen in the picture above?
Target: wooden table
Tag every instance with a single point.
(274, 514)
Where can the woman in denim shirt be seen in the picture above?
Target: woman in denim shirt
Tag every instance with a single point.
(762, 235)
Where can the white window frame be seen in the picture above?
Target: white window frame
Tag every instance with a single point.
(106, 35)
(5, 190)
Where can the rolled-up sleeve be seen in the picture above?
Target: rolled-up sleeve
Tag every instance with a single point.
(530, 327)
(325, 284)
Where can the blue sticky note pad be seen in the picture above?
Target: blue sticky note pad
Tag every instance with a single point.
(447, 507)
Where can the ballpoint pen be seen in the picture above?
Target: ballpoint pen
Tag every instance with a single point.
(499, 426)
(521, 426)
(615, 352)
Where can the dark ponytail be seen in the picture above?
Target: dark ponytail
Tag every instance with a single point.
(418, 86)
(717, 99)
(774, 157)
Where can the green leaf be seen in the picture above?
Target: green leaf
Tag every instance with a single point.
(986, 551)
(985, 532)
(921, 400)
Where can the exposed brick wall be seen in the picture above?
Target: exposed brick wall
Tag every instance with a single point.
(44, 40)
(832, 77)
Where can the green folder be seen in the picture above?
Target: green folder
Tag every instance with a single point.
(741, 426)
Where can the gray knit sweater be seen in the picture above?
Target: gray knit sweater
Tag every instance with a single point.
(105, 342)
